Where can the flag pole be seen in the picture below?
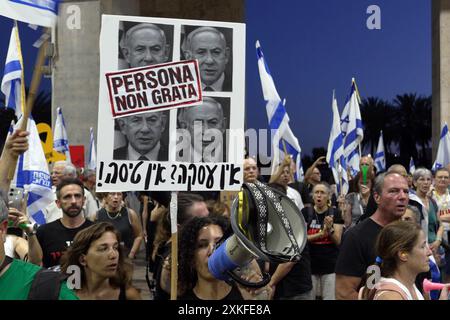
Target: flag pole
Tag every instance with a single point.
(35, 82)
(285, 149)
(359, 101)
(341, 191)
(174, 246)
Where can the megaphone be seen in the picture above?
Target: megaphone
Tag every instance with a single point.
(266, 225)
(430, 286)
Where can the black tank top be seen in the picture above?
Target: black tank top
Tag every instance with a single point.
(234, 294)
(121, 221)
(123, 293)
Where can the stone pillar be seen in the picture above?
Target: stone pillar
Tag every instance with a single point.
(440, 68)
(76, 64)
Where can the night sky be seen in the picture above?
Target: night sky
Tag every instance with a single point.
(313, 47)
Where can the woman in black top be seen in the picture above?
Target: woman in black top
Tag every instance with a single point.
(325, 227)
(125, 220)
(104, 274)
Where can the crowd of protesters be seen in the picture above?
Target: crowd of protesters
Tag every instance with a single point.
(384, 222)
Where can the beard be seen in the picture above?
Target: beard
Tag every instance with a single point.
(71, 213)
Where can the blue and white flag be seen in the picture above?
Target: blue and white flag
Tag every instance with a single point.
(12, 82)
(335, 152)
(354, 131)
(380, 156)
(345, 117)
(60, 140)
(92, 164)
(283, 138)
(40, 12)
(33, 176)
(412, 167)
(443, 154)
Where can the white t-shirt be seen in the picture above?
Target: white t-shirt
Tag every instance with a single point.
(295, 196)
(403, 288)
(9, 246)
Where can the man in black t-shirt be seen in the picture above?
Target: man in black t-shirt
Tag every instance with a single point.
(55, 237)
(357, 251)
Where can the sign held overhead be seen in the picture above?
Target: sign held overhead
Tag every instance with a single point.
(156, 87)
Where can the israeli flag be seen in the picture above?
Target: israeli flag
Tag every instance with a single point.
(412, 167)
(380, 157)
(92, 164)
(60, 140)
(335, 152)
(39, 12)
(33, 176)
(354, 131)
(443, 154)
(12, 82)
(345, 117)
(283, 139)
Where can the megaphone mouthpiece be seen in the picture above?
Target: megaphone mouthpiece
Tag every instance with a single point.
(430, 286)
(228, 256)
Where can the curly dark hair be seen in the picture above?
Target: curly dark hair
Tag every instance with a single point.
(187, 245)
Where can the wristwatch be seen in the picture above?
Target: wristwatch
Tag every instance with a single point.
(33, 230)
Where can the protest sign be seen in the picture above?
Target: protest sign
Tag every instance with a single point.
(171, 104)
(157, 87)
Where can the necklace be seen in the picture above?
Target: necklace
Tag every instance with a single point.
(117, 214)
(317, 217)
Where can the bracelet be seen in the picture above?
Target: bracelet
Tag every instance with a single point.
(30, 234)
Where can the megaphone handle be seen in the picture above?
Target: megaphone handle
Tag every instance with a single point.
(254, 285)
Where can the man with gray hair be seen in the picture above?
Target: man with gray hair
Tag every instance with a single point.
(357, 250)
(144, 44)
(209, 46)
(65, 170)
(206, 125)
(144, 134)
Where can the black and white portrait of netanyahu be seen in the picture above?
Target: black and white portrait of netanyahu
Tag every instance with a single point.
(142, 136)
(144, 44)
(202, 131)
(212, 47)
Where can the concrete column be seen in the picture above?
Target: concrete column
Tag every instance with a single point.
(440, 68)
(77, 61)
(76, 64)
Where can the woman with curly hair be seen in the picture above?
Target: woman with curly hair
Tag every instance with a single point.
(104, 273)
(198, 239)
(197, 242)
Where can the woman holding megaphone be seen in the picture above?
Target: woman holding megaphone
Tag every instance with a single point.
(198, 240)
(402, 253)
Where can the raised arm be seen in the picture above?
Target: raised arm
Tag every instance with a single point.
(15, 144)
(309, 172)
